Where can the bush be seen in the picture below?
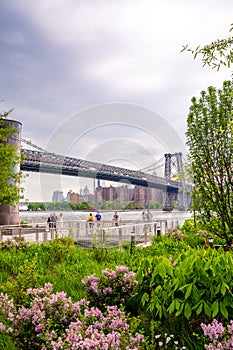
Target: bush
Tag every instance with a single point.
(53, 321)
(17, 242)
(196, 286)
(114, 287)
(218, 336)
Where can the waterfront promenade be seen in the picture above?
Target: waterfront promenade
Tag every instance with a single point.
(130, 229)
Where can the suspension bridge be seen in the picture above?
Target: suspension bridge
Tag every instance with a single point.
(40, 160)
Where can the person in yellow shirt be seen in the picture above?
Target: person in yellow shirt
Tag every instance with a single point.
(90, 220)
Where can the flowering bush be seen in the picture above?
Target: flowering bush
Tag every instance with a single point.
(176, 234)
(220, 338)
(54, 322)
(112, 288)
(16, 241)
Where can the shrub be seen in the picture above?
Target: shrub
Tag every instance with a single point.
(196, 286)
(114, 287)
(53, 321)
(16, 241)
(219, 337)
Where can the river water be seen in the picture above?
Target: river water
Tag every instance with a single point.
(134, 215)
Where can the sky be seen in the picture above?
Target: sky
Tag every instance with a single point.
(105, 80)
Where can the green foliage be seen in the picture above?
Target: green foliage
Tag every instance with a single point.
(59, 249)
(209, 137)
(178, 287)
(9, 159)
(216, 54)
(196, 286)
(28, 276)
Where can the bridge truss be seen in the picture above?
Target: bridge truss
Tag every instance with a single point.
(41, 160)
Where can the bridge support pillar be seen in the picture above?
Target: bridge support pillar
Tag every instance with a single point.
(9, 214)
(170, 199)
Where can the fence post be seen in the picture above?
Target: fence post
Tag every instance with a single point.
(52, 233)
(45, 235)
(120, 238)
(159, 229)
(166, 227)
(132, 242)
(155, 229)
(145, 233)
(103, 235)
(37, 233)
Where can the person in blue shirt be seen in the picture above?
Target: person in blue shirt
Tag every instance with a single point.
(98, 218)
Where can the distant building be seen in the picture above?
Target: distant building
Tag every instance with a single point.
(120, 193)
(140, 196)
(86, 196)
(58, 196)
(73, 197)
(143, 195)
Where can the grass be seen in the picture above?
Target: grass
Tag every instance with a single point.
(64, 264)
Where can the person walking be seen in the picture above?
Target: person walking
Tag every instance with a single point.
(144, 217)
(149, 215)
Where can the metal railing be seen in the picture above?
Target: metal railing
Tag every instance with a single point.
(87, 235)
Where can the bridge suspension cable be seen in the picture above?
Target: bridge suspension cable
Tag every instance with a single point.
(33, 145)
(159, 163)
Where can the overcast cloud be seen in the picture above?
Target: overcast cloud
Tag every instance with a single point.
(60, 58)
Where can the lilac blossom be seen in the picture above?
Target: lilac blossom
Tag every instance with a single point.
(112, 288)
(219, 337)
(54, 322)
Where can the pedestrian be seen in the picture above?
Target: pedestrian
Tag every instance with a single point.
(115, 219)
(54, 220)
(149, 215)
(98, 218)
(49, 220)
(90, 220)
(144, 217)
(60, 222)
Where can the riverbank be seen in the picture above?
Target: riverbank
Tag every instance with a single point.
(134, 215)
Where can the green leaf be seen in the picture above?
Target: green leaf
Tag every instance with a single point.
(187, 310)
(162, 270)
(145, 298)
(215, 308)
(188, 291)
(224, 287)
(180, 310)
(199, 310)
(172, 307)
(223, 310)
(207, 309)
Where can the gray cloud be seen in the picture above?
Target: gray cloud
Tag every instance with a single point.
(61, 57)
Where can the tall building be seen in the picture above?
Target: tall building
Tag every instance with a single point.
(73, 197)
(58, 196)
(143, 195)
(125, 193)
(111, 194)
(140, 196)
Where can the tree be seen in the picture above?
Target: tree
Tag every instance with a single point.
(216, 54)
(210, 140)
(9, 159)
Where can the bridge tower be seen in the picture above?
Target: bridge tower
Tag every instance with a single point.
(173, 165)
